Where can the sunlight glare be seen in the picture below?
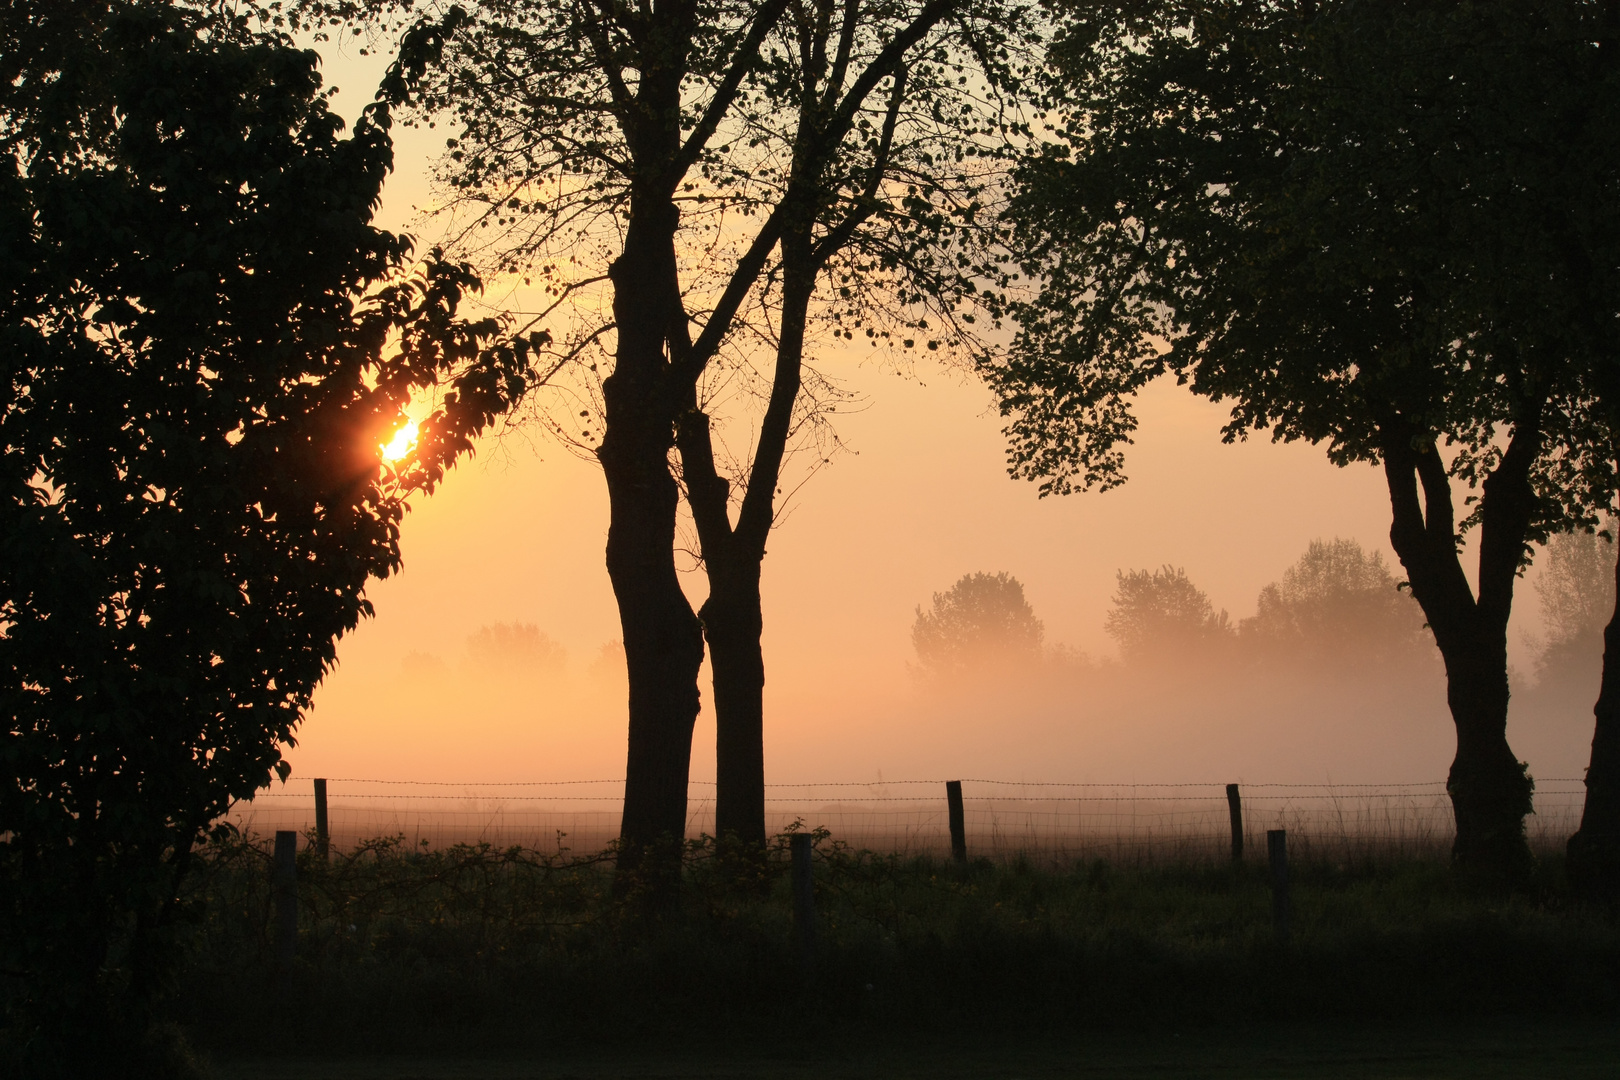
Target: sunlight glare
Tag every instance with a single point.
(403, 442)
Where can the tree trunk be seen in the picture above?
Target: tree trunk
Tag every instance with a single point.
(1489, 788)
(733, 620)
(663, 641)
(733, 615)
(1594, 850)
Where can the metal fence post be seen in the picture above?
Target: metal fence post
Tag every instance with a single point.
(1277, 853)
(953, 800)
(1234, 805)
(284, 888)
(804, 898)
(322, 836)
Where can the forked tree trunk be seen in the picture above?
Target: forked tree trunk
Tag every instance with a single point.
(663, 641)
(733, 617)
(1489, 788)
(1594, 850)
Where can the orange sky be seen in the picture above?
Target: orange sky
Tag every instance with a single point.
(517, 535)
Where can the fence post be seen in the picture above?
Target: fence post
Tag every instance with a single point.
(1277, 853)
(953, 799)
(322, 837)
(284, 887)
(804, 898)
(1234, 804)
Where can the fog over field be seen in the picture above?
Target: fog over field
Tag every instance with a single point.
(431, 689)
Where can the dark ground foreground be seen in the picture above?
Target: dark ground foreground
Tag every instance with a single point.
(1546, 1049)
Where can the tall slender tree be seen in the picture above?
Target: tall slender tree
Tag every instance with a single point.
(707, 165)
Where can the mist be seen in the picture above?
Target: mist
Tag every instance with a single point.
(516, 539)
(920, 498)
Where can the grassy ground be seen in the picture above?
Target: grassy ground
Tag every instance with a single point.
(1290, 1052)
(473, 962)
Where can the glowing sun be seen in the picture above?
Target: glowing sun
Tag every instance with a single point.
(403, 442)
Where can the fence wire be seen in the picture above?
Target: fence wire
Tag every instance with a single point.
(1004, 819)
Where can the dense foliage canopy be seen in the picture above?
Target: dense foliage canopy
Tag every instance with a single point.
(205, 341)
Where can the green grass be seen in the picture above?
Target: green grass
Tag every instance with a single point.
(435, 954)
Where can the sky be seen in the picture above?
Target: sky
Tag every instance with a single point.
(517, 535)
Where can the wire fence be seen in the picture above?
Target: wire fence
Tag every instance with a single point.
(1003, 819)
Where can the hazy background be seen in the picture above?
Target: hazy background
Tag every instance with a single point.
(512, 545)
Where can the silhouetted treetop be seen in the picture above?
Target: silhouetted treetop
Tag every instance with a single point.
(983, 621)
(1338, 604)
(1576, 590)
(205, 340)
(515, 647)
(1160, 615)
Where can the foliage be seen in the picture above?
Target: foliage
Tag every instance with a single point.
(981, 622)
(1160, 616)
(205, 342)
(1339, 605)
(898, 109)
(1289, 206)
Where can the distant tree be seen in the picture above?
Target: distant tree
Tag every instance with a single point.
(981, 623)
(205, 341)
(516, 647)
(1338, 605)
(607, 666)
(1160, 616)
(1576, 589)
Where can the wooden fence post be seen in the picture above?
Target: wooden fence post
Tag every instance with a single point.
(953, 799)
(322, 836)
(1277, 853)
(804, 898)
(284, 888)
(1234, 804)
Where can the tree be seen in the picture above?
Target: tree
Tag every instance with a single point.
(205, 342)
(1335, 216)
(710, 166)
(1576, 589)
(981, 623)
(516, 647)
(1580, 280)
(1340, 606)
(1160, 616)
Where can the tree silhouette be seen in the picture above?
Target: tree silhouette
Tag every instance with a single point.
(1160, 616)
(711, 167)
(1340, 606)
(1339, 217)
(982, 623)
(515, 647)
(206, 341)
(1576, 590)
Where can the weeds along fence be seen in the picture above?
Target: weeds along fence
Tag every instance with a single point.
(1000, 820)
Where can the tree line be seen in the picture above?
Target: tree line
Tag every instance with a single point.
(1338, 609)
(1387, 229)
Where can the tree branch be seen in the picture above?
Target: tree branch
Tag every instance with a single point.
(747, 53)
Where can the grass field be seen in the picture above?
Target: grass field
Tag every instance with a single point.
(1548, 1049)
(474, 962)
